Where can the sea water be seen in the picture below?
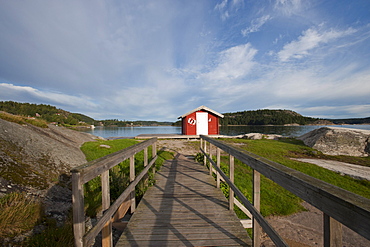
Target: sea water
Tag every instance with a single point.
(289, 131)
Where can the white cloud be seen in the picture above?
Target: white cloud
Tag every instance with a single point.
(226, 9)
(19, 93)
(221, 5)
(256, 24)
(233, 63)
(309, 40)
(288, 7)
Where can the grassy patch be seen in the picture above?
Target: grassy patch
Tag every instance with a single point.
(119, 175)
(18, 214)
(275, 200)
(95, 150)
(23, 120)
(282, 151)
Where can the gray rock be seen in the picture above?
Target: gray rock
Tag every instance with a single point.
(37, 156)
(339, 141)
(258, 136)
(104, 146)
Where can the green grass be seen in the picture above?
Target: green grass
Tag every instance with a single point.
(119, 175)
(275, 200)
(282, 151)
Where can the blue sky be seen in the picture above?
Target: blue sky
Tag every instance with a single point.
(156, 60)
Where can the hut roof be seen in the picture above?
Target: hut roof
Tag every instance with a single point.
(205, 108)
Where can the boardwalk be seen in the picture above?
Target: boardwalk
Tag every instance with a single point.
(184, 208)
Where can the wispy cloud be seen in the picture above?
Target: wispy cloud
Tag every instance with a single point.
(221, 5)
(226, 8)
(288, 7)
(233, 63)
(256, 24)
(222, 8)
(309, 40)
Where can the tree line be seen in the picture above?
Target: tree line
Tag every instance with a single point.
(351, 121)
(46, 112)
(124, 123)
(266, 117)
(52, 114)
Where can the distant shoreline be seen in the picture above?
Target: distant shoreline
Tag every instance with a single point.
(288, 125)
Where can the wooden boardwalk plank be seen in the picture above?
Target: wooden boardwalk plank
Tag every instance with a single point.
(184, 208)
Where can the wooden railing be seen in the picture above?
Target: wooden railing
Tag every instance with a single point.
(111, 213)
(339, 206)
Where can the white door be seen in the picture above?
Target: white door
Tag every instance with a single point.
(202, 123)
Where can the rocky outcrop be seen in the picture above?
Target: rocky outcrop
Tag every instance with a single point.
(339, 141)
(38, 161)
(33, 156)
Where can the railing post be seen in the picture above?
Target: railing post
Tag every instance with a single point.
(78, 209)
(257, 205)
(205, 151)
(145, 156)
(210, 156)
(154, 149)
(332, 232)
(132, 178)
(154, 153)
(107, 239)
(218, 163)
(231, 174)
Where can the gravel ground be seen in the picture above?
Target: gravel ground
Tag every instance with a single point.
(355, 171)
(184, 147)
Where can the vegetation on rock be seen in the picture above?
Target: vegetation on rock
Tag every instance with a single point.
(47, 113)
(23, 120)
(18, 213)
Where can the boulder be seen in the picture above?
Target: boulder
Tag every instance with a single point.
(258, 136)
(339, 141)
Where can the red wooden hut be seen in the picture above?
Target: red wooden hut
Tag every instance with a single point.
(201, 121)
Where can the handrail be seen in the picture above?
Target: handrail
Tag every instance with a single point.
(96, 167)
(345, 207)
(265, 225)
(101, 166)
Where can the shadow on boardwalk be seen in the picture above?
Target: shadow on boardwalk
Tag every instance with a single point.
(184, 208)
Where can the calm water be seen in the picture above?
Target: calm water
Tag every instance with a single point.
(292, 131)
(133, 131)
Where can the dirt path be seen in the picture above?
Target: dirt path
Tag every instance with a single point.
(301, 230)
(184, 147)
(355, 171)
